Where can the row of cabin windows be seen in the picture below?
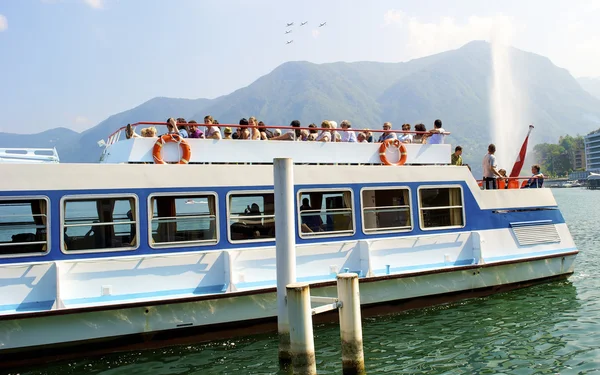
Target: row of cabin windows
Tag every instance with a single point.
(111, 222)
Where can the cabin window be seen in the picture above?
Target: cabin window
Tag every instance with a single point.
(251, 216)
(183, 220)
(325, 213)
(23, 226)
(386, 210)
(99, 223)
(441, 207)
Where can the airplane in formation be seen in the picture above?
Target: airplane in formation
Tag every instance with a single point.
(303, 23)
(289, 41)
(322, 24)
(288, 31)
(290, 24)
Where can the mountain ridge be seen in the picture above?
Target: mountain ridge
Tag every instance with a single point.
(452, 85)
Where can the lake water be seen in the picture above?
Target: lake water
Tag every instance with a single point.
(547, 329)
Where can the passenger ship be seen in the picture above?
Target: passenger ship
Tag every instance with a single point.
(125, 253)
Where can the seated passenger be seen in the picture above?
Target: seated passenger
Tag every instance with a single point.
(243, 132)
(405, 137)
(361, 138)
(130, 132)
(420, 137)
(181, 125)
(387, 134)
(325, 135)
(227, 131)
(536, 181)
(290, 135)
(195, 131)
(264, 132)
(172, 126)
(149, 132)
(253, 129)
(212, 132)
(348, 135)
(502, 181)
(436, 135)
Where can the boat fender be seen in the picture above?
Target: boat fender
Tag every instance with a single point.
(395, 143)
(166, 138)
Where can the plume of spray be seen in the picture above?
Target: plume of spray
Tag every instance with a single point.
(509, 105)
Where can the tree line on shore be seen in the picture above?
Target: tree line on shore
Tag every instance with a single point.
(558, 159)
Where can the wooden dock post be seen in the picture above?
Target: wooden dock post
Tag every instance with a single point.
(353, 361)
(302, 345)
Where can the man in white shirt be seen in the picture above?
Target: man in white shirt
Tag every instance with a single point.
(437, 133)
(490, 173)
(347, 134)
(387, 134)
(405, 137)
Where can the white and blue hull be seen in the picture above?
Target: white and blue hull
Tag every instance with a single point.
(60, 299)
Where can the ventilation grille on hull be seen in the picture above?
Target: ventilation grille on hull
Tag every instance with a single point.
(535, 232)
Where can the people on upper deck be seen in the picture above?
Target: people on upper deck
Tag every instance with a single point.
(456, 156)
(325, 135)
(536, 180)
(387, 134)
(253, 129)
(348, 135)
(334, 134)
(228, 133)
(149, 132)
(130, 132)
(420, 137)
(405, 137)
(172, 126)
(291, 134)
(242, 131)
(489, 168)
(212, 132)
(181, 125)
(195, 131)
(361, 138)
(503, 179)
(436, 135)
(265, 133)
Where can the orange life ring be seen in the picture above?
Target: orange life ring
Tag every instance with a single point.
(166, 138)
(396, 143)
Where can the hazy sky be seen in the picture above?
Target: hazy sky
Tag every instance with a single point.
(73, 63)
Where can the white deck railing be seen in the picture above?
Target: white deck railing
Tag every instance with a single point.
(28, 155)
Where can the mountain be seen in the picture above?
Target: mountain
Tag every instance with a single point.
(453, 86)
(59, 138)
(154, 110)
(591, 85)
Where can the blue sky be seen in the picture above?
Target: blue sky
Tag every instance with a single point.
(73, 63)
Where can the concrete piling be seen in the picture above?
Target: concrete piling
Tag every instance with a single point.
(353, 362)
(285, 248)
(302, 346)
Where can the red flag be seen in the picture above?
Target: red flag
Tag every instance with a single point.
(516, 170)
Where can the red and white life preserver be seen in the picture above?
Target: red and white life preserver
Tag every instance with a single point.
(185, 148)
(395, 143)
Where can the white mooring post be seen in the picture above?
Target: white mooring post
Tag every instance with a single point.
(302, 345)
(353, 361)
(285, 248)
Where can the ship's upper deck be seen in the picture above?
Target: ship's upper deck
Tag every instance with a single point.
(119, 149)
